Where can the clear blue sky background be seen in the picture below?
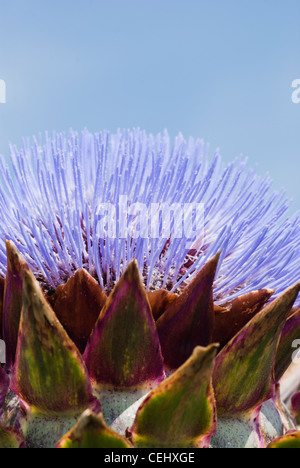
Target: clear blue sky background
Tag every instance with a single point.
(217, 69)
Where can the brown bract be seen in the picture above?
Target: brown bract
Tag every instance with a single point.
(159, 301)
(189, 321)
(77, 305)
(232, 317)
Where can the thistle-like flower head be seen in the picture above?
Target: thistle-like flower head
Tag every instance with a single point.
(147, 288)
(51, 193)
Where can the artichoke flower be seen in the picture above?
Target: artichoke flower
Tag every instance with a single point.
(123, 331)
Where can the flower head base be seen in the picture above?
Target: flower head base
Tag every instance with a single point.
(124, 357)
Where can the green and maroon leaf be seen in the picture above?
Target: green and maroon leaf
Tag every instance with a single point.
(290, 334)
(189, 321)
(91, 432)
(159, 301)
(233, 316)
(2, 284)
(296, 407)
(12, 302)
(124, 349)
(244, 372)
(77, 305)
(4, 385)
(10, 439)
(49, 374)
(289, 441)
(180, 412)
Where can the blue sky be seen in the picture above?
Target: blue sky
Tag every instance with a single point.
(221, 70)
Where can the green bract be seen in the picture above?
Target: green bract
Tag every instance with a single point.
(214, 396)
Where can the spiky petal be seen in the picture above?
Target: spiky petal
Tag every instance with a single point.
(91, 431)
(124, 349)
(180, 412)
(49, 374)
(77, 305)
(244, 372)
(189, 320)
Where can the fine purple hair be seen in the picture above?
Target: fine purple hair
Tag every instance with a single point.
(50, 192)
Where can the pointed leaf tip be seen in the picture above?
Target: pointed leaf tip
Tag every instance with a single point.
(288, 441)
(189, 320)
(286, 349)
(12, 300)
(233, 316)
(124, 349)
(77, 305)
(49, 374)
(244, 372)
(91, 431)
(180, 412)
